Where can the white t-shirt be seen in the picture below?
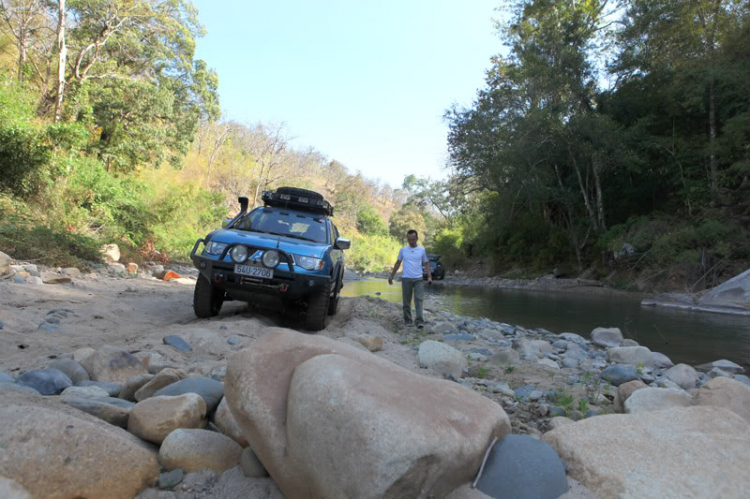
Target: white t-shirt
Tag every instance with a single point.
(413, 260)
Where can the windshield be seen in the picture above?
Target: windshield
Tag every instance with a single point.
(284, 223)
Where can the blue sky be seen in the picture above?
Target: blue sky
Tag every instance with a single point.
(365, 83)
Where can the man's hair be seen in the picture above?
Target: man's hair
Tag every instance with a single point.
(412, 231)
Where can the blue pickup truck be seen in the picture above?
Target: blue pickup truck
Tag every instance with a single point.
(289, 248)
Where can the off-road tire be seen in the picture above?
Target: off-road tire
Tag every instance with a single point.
(317, 309)
(207, 299)
(333, 304)
(295, 191)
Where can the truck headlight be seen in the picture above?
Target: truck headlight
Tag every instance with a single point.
(270, 259)
(239, 254)
(309, 263)
(215, 248)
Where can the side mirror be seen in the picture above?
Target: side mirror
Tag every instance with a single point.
(342, 244)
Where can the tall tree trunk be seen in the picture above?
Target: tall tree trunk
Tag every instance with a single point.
(62, 60)
(585, 195)
(257, 187)
(21, 55)
(599, 197)
(712, 140)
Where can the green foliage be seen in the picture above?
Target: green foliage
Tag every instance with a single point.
(372, 253)
(370, 222)
(407, 218)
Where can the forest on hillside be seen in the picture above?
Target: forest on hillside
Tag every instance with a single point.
(611, 138)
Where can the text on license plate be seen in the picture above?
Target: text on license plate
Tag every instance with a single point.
(254, 271)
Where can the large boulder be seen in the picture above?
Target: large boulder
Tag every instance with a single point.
(318, 412)
(606, 337)
(196, 450)
(156, 417)
(441, 358)
(683, 376)
(661, 361)
(633, 356)
(657, 399)
(57, 452)
(112, 364)
(5, 262)
(681, 452)
(733, 294)
(725, 365)
(727, 393)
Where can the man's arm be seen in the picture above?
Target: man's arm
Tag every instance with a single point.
(393, 272)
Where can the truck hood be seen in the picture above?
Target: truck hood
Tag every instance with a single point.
(270, 241)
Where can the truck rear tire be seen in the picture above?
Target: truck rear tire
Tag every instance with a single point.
(207, 299)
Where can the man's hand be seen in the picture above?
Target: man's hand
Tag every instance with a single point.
(390, 280)
(429, 280)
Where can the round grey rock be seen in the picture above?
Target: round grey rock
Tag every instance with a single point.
(620, 374)
(209, 389)
(112, 389)
(71, 368)
(45, 381)
(18, 388)
(170, 479)
(521, 467)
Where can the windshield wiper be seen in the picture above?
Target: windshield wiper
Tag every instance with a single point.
(294, 236)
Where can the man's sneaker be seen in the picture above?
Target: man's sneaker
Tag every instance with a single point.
(408, 323)
(420, 325)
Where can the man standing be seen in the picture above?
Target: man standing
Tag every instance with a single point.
(414, 257)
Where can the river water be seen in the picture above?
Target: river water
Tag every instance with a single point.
(684, 336)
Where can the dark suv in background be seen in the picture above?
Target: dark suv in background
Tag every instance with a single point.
(289, 249)
(436, 267)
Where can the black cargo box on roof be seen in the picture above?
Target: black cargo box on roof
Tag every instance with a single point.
(311, 204)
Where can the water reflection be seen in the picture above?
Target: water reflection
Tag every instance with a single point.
(685, 336)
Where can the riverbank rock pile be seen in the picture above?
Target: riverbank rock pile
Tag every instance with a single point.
(233, 408)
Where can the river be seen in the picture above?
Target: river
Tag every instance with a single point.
(684, 336)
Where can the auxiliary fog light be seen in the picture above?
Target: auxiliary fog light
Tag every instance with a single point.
(239, 254)
(270, 258)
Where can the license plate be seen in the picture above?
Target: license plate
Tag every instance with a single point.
(254, 271)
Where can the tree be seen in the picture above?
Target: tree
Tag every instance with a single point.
(405, 219)
(370, 222)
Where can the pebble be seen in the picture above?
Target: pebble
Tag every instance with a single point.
(170, 479)
(575, 415)
(50, 328)
(234, 341)
(178, 343)
(45, 381)
(458, 337)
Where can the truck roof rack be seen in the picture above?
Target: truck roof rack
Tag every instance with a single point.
(296, 202)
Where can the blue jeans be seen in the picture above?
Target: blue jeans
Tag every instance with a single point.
(415, 287)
